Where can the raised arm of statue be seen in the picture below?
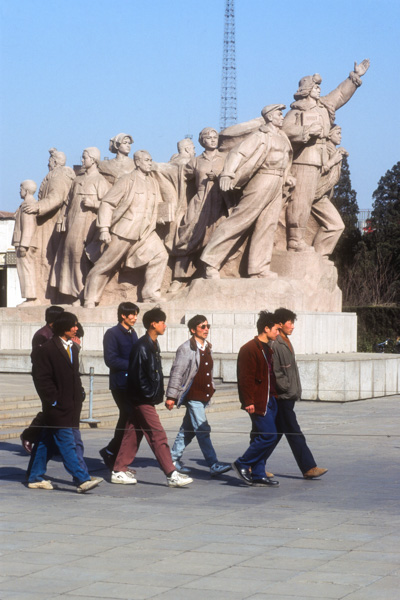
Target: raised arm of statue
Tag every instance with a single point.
(362, 68)
(345, 90)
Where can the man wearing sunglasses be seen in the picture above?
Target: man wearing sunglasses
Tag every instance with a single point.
(191, 384)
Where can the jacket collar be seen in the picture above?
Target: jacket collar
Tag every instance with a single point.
(193, 344)
(154, 347)
(122, 328)
(56, 340)
(261, 347)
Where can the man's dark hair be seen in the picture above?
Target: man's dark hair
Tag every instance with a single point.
(196, 320)
(52, 313)
(284, 314)
(266, 319)
(64, 323)
(80, 332)
(153, 316)
(127, 308)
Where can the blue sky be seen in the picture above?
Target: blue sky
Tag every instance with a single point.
(75, 73)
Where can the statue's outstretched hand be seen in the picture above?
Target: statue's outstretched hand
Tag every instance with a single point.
(362, 68)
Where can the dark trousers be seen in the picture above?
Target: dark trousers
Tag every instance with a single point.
(286, 423)
(263, 440)
(125, 408)
(144, 421)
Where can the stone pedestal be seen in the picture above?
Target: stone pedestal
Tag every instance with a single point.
(298, 281)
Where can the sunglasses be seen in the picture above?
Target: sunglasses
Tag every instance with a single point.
(205, 326)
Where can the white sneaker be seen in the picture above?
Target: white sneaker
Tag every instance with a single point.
(178, 480)
(180, 467)
(126, 478)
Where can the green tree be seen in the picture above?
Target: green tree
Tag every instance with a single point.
(345, 200)
(386, 216)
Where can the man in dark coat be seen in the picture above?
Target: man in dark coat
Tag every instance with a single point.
(145, 391)
(256, 384)
(117, 344)
(31, 434)
(288, 391)
(58, 383)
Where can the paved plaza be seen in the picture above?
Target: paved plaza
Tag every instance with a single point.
(337, 537)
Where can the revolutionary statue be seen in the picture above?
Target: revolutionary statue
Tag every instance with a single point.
(24, 240)
(261, 166)
(256, 203)
(307, 124)
(127, 219)
(205, 210)
(71, 264)
(53, 193)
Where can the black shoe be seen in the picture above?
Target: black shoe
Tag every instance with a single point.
(265, 482)
(108, 458)
(243, 473)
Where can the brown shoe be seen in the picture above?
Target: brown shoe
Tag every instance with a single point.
(315, 472)
(269, 475)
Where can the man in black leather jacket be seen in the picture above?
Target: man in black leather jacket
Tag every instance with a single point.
(145, 391)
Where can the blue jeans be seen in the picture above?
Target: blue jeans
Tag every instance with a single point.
(63, 439)
(264, 438)
(53, 451)
(194, 424)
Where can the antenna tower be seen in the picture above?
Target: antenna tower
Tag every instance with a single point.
(228, 87)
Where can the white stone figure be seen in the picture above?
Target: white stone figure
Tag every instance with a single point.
(186, 151)
(205, 211)
(260, 165)
(53, 193)
(127, 220)
(326, 215)
(175, 190)
(307, 125)
(24, 240)
(72, 265)
(120, 165)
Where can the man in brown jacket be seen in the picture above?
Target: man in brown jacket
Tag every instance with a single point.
(257, 391)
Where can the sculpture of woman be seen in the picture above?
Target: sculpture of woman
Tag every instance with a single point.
(72, 265)
(120, 165)
(205, 210)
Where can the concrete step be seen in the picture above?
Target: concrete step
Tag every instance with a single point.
(17, 413)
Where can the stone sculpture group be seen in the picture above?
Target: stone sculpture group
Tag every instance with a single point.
(259, 186)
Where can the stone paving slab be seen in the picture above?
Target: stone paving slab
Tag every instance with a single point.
(337, 537)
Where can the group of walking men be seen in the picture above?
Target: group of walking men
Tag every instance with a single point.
(268, 383)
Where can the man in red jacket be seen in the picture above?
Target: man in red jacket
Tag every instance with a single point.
(257, 394)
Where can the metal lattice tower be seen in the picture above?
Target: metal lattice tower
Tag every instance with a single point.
(228, 89)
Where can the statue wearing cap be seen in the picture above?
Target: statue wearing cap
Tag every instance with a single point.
(71, 266)
(120, 165)
(307, 125)
(259, 166)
